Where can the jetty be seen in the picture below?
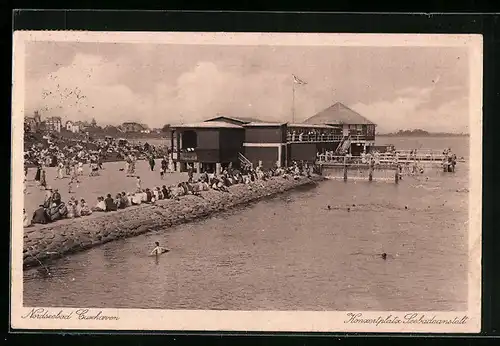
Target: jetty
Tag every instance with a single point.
(354, 168)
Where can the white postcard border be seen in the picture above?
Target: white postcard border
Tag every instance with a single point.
(287, 321)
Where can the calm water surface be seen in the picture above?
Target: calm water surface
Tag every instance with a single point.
(289, 253)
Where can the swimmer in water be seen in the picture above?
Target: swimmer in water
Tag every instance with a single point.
(158, 250)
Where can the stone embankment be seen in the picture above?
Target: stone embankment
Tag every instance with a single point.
(64, 237)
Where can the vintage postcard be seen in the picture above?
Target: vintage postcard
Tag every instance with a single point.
(246, 182)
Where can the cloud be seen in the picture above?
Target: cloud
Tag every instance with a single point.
(92, 86)
(405, 112)
(203, 92)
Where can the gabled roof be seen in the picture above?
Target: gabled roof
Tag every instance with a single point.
(240, 120)
(311, 126)
(338, 114)
(262, 124)
(208, 125)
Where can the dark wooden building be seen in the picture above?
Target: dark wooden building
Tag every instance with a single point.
(207, 145)
(304, 141)
(265, 144)
(360, 130)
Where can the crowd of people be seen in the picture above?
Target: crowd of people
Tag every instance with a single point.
(51, 151)
(54, 208)
(307, 135)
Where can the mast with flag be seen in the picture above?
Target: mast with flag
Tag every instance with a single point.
(298, 81)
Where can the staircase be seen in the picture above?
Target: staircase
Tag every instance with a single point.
(244, 161)
(343, 146)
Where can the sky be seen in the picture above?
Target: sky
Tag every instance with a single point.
(157, 84)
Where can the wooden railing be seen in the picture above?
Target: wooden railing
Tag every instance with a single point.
(188, 156)
(325, 138)
(313, 138)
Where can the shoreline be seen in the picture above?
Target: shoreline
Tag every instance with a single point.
(65, 237)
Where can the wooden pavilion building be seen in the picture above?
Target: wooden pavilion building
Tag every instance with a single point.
(217, 142)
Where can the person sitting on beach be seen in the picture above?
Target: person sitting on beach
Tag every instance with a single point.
(204, 177)
(182, 189)
(137, 198)
(222, 187)
(165, 192)
(77, 208)
(101, 205)
(124, 201)
(144, 196)
(71, 208)
(158, 250)
(48, 197)
(84, 208)
(56, 197)
(109, 203)
(157, 193)
(118, 201)
(57, 212)
(26, 221)
(149, 196)
(40, 215)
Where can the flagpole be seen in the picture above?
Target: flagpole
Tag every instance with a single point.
(293, 100)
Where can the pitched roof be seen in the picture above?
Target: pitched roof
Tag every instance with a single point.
(208, 125)
(259, 123)
(338, 114)
(311, 126)
(242, 120)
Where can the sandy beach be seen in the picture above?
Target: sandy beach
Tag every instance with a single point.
(111, 180)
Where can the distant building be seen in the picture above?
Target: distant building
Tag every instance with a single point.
(34, 123)
(29, 124)
(53, 124)
(72, 127)
(82, 125)
(133, 127)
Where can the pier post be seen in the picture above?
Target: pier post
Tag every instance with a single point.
(372, 167)
(396, 176)
(198, 167)
(345, 168)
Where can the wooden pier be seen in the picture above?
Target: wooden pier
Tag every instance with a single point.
(350, 168)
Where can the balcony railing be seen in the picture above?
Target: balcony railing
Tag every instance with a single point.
(313, 138)
(325, 138)
(188, 156)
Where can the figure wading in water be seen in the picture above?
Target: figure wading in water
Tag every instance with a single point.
(158, 250)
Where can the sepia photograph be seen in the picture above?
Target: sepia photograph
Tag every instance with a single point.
(246, 181)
